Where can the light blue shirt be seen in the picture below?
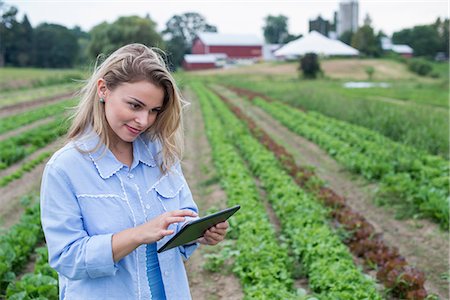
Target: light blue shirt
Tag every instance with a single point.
(86, 198)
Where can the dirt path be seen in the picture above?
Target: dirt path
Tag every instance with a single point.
(422, 243)
(24, 106)
(10, 208)
(19, 130)
(200, 174)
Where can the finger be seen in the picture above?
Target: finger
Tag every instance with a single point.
(165, 232)
(213, 236)
(218, 230)
(183, 213)
(222, 225)
(171, 220)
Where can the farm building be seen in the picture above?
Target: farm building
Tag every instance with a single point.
(235, 46)
(199, 62)
(403, 50)
(316, 42)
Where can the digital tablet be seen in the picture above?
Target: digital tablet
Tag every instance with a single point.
(196, 228)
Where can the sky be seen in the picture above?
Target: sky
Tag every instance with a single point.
(232, 16)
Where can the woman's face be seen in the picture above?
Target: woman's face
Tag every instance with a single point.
(131, 108)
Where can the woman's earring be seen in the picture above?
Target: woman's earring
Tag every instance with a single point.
(102, 100)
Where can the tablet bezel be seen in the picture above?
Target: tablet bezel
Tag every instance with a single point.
(217, 217)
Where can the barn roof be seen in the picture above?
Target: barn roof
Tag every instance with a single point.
(316, 43)
(221, 39)
(200, 58)
(402, 49)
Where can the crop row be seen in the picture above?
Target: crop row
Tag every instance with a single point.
(262, 264)
(17, 244)
(408, 178)
(400, 279)
(327, 262)
(17, 147)
(27, 117)
(421, 127)
(41, 284)
(22, 96)
(24, 168)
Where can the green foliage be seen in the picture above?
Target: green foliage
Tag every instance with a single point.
(408, 177)
(366, 41)
(55, 47)
(423, 126)
(420, 66)
(426, 40)
(181, 31)
(276, 29)
(309, 65)
(42, 284)
(346, 37)
(106, 38)
(17, 147)
(17, 243)
(331, 271)
(260, 262)
(370, 71)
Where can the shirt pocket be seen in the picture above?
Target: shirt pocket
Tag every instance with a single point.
(167, 191)
(104, 213)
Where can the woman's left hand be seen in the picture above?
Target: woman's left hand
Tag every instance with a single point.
(215, 234)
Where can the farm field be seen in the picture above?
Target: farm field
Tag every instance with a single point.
(310, 185)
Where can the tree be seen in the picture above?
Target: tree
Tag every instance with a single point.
(8, 25)
(83, 39)
(346, 37)
(309, 65)
(426, 40)
(180, 32)
(276, 29)
(21, 47)
(55, 46)
(366, 42)
(106, 38)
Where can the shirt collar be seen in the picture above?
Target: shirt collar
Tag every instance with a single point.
(105, 161)
(142, 153)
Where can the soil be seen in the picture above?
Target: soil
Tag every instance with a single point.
(200, 174)
(10, 207)
(422, 243)
(19, 130)
(354, 69)
(24, 106)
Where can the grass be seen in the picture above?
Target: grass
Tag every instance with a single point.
(18, 78)
(411, 112)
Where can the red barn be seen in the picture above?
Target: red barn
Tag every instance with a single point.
(235, 46)
(199, 62)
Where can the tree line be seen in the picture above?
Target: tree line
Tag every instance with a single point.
(426, 40)
(56, 46)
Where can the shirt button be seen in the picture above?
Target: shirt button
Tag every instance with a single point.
(130, 175)
(166, 273)
(147, 206)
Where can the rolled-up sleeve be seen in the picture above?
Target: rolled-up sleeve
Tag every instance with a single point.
(72, 252)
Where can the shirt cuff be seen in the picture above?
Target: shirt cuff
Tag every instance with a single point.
(99, 256)
(187, 250)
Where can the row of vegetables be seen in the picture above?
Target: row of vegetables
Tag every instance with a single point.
(325, 260)
(15, 121)
(392, 270)
(414, 181)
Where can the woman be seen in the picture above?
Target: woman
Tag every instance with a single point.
(115, 192)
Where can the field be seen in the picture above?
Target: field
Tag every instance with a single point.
(344, 192)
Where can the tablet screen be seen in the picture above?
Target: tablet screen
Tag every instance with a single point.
(195, 229)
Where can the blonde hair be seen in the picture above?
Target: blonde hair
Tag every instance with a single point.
(128, 64)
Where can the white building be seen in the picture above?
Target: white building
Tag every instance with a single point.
(347, 17)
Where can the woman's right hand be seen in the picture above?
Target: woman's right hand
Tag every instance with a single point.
(156, 229)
